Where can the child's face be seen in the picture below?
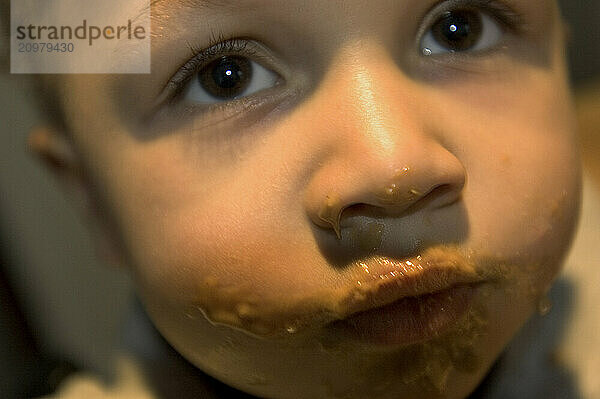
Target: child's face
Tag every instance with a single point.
(434, 137)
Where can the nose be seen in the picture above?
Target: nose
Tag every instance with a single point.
(381, 152)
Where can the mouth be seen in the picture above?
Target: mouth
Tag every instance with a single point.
(410, 301)
(409, 320)
(381, 301)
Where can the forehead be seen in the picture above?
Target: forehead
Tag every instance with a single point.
(324, 20)
(240, 5)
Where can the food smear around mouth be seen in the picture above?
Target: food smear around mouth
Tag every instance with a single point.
(421, 370)
(410, 319)
(415, 368)
(361, 287)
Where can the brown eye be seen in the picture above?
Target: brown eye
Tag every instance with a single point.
(227, 77)
(458, 30)
(461, 30)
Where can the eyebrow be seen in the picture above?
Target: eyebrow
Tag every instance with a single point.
(209, 3)
(193, 3)
(158, 8)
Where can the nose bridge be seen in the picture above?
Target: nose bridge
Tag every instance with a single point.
(371, 99)
(379, 151)
(370, 114)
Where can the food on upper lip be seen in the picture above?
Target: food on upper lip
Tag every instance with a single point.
(386, 280)
(366, 284)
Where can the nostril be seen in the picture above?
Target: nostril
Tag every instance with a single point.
(362, 209)
(441, 196)
(438, 197)
(440, 190)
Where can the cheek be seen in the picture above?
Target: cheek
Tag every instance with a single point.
(523, 194)
(218, 245)
(531, 195)
(523, 185)
(516, 140)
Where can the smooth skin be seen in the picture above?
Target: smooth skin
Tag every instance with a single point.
(218, 209)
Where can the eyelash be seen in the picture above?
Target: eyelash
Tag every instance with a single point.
(217, 46)
(220, 45)
(500, 10)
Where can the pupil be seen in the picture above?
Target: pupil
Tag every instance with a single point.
(227, 73)
(226, 77)
(458, 30)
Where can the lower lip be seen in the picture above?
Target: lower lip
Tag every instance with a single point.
(410, 320)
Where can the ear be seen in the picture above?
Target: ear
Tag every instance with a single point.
(58, 154)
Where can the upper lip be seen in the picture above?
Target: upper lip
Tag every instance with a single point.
(389, 280)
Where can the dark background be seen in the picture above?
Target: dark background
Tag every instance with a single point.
(584, 53)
